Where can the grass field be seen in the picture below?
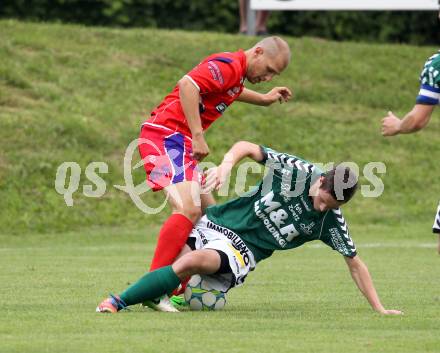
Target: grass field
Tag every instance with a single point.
(298, 301)
(71, 93)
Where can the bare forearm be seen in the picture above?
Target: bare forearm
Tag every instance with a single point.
(252, 97)
(241, 150)
(416, 119)
(216, 177)
(410, 124)
(362, 278)
(189, 98)
(206, 201)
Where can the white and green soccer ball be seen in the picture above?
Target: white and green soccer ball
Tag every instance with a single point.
(201, 296)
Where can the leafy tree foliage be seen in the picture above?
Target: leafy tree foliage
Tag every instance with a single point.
(222, 16)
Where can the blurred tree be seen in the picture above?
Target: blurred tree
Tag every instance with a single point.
(222, 16)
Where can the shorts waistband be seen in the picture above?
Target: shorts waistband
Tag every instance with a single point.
(165, 128)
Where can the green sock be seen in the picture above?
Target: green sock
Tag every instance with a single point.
(151, 286)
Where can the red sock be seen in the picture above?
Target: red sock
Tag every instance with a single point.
(182, 288)
(172, 237)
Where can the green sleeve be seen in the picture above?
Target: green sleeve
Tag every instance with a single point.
(336, 234)
(430, 74)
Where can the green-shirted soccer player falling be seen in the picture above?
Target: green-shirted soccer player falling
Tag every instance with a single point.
(426, 101)
(294, 203)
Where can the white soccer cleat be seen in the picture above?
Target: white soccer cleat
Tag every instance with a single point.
(162, 304)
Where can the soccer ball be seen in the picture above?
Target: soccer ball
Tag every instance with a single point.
(201, 296)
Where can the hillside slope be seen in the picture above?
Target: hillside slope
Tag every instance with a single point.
(72, 93)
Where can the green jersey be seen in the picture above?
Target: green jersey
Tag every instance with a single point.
(429, 93)
(278, 214)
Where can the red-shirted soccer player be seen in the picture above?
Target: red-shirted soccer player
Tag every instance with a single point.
(172, 141)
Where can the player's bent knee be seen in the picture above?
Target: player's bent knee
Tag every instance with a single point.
(197, 262)
(193, 213)
(187, 265)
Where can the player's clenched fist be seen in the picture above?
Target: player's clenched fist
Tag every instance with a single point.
(390, 125)
(200, 148)
(278, 94)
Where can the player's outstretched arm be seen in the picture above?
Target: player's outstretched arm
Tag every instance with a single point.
(361, 276)
(215, 177)
(414, 121)
(277, 94)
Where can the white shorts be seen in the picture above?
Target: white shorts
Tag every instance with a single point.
(208, 235)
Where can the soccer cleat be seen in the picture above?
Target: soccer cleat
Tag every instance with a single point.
(178, 302)
(111, 305)
(161, 304)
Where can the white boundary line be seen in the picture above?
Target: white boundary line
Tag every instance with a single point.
(381, 245)
(317, 245)
(393, 5)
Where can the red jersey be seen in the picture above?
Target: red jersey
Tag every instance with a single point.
(219, 79)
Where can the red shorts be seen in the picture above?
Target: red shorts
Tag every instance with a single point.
(167, 156)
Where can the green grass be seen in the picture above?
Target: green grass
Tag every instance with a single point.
(71, 93)
(297, 301)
